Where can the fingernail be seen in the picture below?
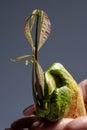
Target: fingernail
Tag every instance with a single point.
(36, 123)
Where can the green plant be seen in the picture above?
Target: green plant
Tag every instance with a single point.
(55, 92)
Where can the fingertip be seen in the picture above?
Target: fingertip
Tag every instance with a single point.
(29, 110)
(83, 87)
(79, 123)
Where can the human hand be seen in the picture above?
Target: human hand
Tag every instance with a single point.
(79, 123)
(33, 122)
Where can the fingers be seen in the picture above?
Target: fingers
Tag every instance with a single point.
(29, 110)
(44, 125)
(25, 122)
(83, 86)
(65, 124)
(53, 125)
(79, 123)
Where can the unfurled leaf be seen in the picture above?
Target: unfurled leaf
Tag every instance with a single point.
(33, 17)
(29, 22)
(20, 58)
(28, 25)
(28, 32)
(45, 29)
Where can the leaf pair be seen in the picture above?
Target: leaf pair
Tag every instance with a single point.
(44, 27)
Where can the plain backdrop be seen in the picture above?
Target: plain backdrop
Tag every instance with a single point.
(67, 44)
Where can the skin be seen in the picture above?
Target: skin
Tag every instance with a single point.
(79, 123)
(33, 122)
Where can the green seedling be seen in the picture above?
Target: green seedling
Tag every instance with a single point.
(55, 92)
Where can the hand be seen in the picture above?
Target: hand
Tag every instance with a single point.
(79, 123)
(34, 122)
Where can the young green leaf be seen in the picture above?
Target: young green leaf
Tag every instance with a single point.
(20, 58)
(28, 28)
(45, 29)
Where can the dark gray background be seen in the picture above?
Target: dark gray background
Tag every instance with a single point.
(67, 44)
